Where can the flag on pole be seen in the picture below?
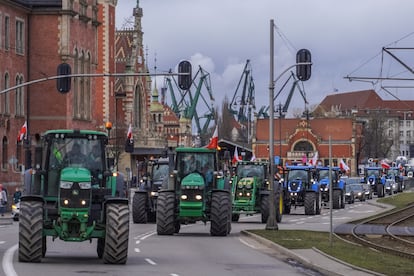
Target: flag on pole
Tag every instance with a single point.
(214, 140)
(235, 156)
(314, 159)
(129, 134)
(385, 165)
(343, 166)
(22, 133)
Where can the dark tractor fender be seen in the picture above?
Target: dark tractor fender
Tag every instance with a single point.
(32, 198)
(118, 200)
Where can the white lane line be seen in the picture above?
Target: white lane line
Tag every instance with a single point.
(1, 242)
(137, 250)
(151, 262)
(173, 274)
(246, 243)
(7, 262)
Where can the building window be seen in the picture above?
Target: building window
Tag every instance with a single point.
(19, 36)
(401, 123)
(5, 159)
(390, 123)
(19, 101)
(76, 84)
(401, 133)
(407, 123)
(6, 32)
(138, 110)
(408, 133)
(390, 132)
(6, 96)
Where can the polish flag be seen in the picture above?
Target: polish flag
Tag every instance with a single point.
(214, 140)
(235, 156)
(343, 166)
(385, 165)
(129, 134)
(22, 132)
(314, 159)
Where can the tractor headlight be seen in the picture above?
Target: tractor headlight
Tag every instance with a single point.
(154, 193)
(83, 202)
(66, 184)
(240, 194)
(66, 201)
(198, 197)
(85, 185)
(184, 197)
(247, 194)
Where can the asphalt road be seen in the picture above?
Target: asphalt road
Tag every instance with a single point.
(191, 252)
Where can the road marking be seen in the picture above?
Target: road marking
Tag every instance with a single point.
(137, 250)
(1, 242)
(137, 242)
(246, 243)
(144, 235)
(7, 262)
(151, 262)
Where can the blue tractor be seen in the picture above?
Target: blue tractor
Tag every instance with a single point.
(338, 186)
(374, 177)
(302, 189)
(394, 173)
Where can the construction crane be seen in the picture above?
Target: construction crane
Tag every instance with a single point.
(187, 105)
(243, 106)
(263, 111)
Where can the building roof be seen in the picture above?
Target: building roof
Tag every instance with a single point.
(40, 3)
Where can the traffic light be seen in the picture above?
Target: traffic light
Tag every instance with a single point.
(184, 81)
(303, 71)
(63, 84)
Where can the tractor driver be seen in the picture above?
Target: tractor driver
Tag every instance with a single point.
(75, 156)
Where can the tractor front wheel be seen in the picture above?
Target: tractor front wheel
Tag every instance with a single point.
(264, 208)
(166, 224)
(31, 232)
(220, 214)
(117, 233)
(139, 210)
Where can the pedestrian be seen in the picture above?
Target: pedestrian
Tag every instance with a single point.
(3, 200)
(17, 194)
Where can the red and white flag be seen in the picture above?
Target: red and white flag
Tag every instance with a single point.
(214, 140)
(385, 165)
(22, 132)
(343, 166)
(314, 159)
(129, 134)
(235, 156)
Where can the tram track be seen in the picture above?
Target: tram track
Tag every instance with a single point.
(387, 232)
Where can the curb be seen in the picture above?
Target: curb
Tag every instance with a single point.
(289, 253)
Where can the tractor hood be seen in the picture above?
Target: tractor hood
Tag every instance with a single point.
(75, 174)
(193, 179)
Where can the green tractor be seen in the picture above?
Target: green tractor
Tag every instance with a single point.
(251, 190)
(196, 192)
(74, 196)
(144, 202)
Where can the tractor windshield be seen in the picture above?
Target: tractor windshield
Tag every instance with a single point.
(325, 174)
(160, 171)
(298, 175)
(199, 162)
(246, 170)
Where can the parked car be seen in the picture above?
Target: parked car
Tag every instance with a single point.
(359, 191)
(390, 186)
(15, 211)
(368, 191)
(349, 194)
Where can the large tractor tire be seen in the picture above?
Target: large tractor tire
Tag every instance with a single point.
(343, 199)
(380, 190)
(139, 208)
(264, 208)
(31, 232)
(220, 214)
(117, 234)
(100, 247)
(318, 207)
(166, 224)
(336, 199)
(310, 203)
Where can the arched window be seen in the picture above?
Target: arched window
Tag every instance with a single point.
(137, 109)
(19, 100)
(6, 96)
(4, 156)
(303, 146)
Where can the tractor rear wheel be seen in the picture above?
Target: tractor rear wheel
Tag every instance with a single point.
(100, 247)
(31, 231)
(166, 224)
(310, 203)
(139, 210)
(220, 213)
(117, 234)
(264, 208)
(336, 199)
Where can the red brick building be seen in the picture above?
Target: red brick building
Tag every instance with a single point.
(297, 139)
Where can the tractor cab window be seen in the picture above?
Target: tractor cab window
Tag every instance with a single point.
(194, 162)
(298, 175)
(160, 171)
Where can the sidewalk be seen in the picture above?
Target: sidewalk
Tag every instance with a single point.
(315, 259)
(6, 219)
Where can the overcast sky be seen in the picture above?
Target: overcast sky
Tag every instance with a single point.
(345, 38)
